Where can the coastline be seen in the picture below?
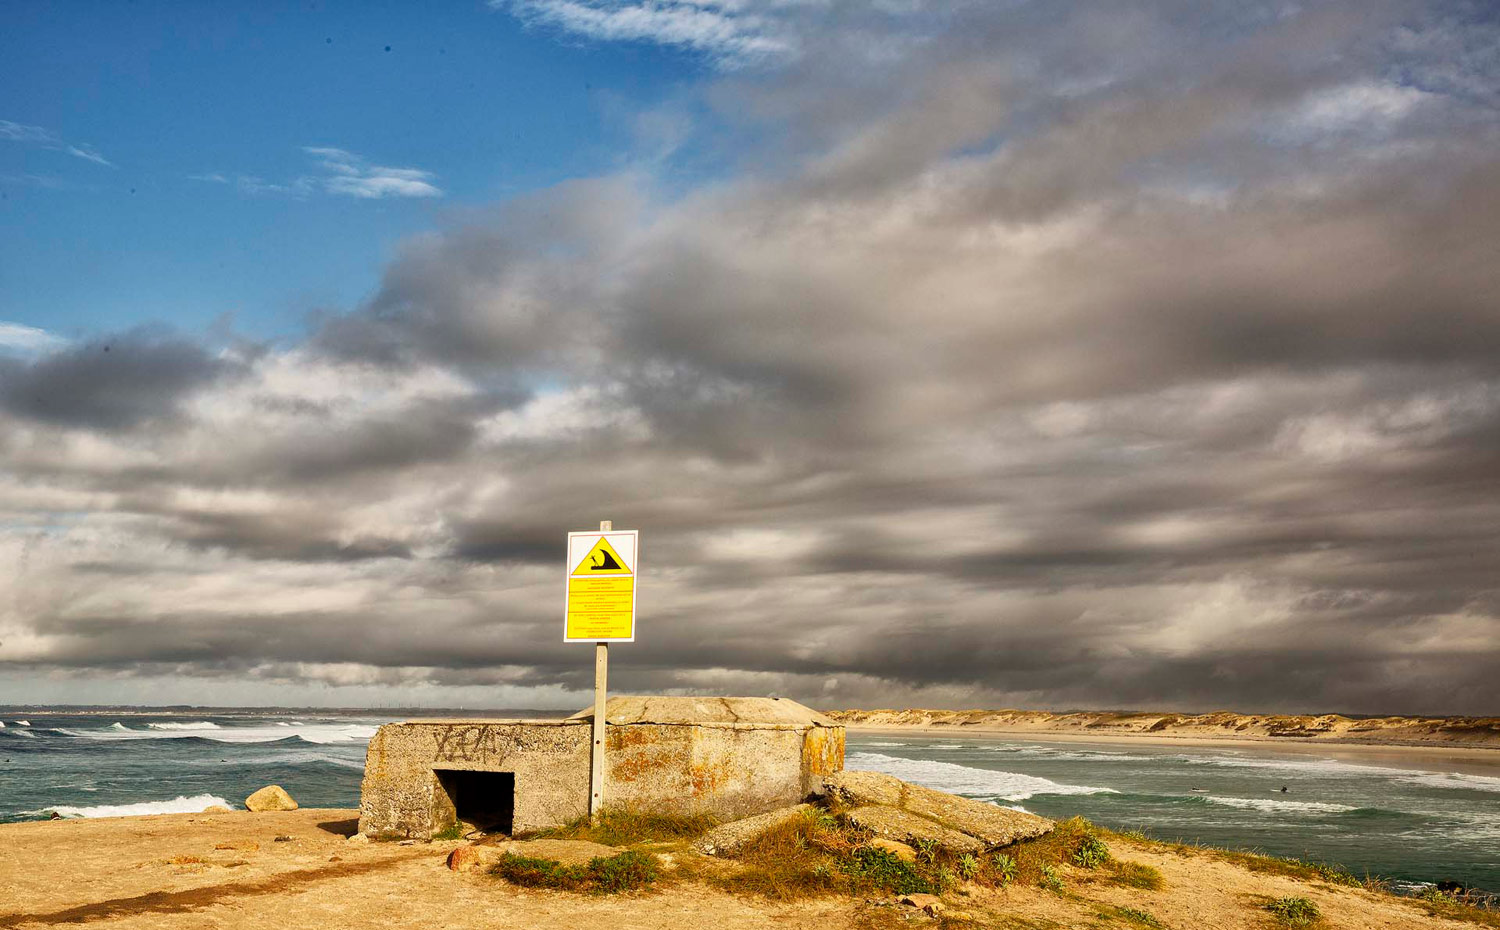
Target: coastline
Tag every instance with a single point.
(1466, 760)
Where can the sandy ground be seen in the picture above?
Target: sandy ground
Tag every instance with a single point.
(1466, 760)
(229, 870)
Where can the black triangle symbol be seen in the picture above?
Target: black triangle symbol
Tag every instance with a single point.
(608, 565)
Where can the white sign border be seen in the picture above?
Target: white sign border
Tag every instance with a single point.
(634, 565)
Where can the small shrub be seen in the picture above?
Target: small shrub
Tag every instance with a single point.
(1049, 880)
(926, 851)
(1005, 868)
(1298, 912)
(967, 866)
(627, 871)
(1091, 852)
(876, 868)
(453, 831)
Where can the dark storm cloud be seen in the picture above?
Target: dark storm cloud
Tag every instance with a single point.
(1030, 354)
(110, 383)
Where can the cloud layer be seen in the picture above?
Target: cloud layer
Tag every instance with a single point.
(1023, 354)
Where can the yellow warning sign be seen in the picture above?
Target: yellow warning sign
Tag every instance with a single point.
(601, 587)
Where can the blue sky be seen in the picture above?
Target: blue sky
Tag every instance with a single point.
(951, 352)
(189, 192)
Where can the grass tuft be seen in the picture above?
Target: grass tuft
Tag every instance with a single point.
(453, 831)
(1134, 875)
(1296, 912)
(628, 871)
(623, 826)
(1131, 915)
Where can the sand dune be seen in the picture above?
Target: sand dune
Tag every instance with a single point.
(1469, 732)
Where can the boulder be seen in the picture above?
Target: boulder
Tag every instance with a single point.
(473, 858)
(270, 798)
(993, 825)
(358, 839)
(900, 850)
(216, 809)
(893, 823)
(728, 839)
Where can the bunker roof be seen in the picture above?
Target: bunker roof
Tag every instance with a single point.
(745, 711)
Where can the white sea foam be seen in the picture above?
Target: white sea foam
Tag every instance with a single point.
(23, 723)
(1276, 806)
(26, 733)
(963, 779)
(117, 725)
(311, 733)
(178, 805)
(885, 745)
(191, 725)
(2, 724)
(1453, 780)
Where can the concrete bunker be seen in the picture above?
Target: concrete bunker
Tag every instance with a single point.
(724, 757)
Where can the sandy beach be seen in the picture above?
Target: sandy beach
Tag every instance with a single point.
(1423, 758)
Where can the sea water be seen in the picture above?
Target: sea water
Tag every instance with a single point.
(1412, 825)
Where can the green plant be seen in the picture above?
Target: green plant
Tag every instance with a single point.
(927, 851)
(1299, 912)
(1005, 868)
(1131, 915)
(622, 826)
(1091, 852)
(876, 868)
(967, 866)
(624, 872)
(1050, 880)
(453, 831)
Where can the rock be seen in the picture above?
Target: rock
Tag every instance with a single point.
(728, 839)
(472, 858)
(929, 904)
(994, 826)
(282, 839)
(893, 823)
(358, 839)
(900, 850)
(216, 809)
(270, 798)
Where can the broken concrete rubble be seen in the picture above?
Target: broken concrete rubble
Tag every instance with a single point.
(989, 824)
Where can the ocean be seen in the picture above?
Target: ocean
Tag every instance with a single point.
(1412, 825)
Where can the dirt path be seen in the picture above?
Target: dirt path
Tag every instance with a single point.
(229, 870)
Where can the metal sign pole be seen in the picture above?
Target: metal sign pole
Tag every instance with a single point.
(601, 672)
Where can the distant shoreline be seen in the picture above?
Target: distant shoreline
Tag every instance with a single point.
(1479, 736)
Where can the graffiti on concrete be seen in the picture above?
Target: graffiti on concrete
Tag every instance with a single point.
(483, 743)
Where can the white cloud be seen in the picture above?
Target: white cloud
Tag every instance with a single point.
(354, 178)
(725, 29)
(19, 337)
(47, 139)
(348, 175)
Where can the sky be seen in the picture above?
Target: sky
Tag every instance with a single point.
(953, 354)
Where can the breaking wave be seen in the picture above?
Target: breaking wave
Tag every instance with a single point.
(962, 779)
(321, 733)
(193, 725)
(178, 805)
(1277, 806)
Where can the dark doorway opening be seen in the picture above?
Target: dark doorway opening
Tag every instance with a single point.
(485, 799)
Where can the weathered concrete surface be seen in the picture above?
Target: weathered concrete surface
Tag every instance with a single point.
(728, 839)
(992, 825)
(893, 823)
(728, 758)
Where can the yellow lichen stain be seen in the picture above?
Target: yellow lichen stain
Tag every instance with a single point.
(707, 778)
(823, 751)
